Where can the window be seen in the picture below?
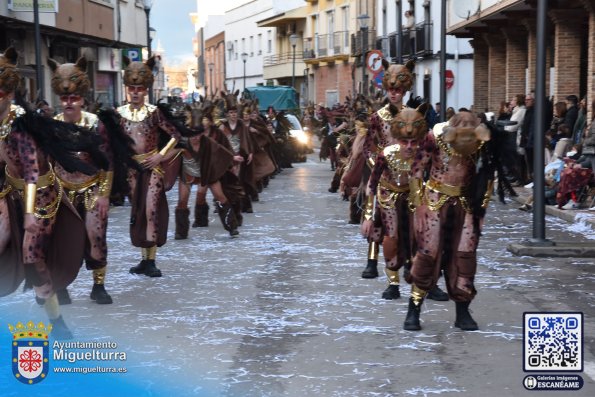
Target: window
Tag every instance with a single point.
(251, 46)
(269, 42)
(259, 44)
(243, 45)
(235, 49)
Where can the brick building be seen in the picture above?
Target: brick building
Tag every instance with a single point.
(504, 39)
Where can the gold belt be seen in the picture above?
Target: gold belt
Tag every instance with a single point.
(139, 158)
(444, 188)
(42, 182)
(80, 187)
(394, 188)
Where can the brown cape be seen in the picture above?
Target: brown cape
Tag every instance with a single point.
(214, 160)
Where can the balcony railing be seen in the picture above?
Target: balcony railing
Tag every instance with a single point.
(286, 57)
(327, 45)
(357, 42)
(418, 42)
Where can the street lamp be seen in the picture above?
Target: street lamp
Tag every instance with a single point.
(147, 6)
(363, 24)
(244, 59)
(293, 41)
(211, 66)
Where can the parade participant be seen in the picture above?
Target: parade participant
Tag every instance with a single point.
(41, 235)
(143, 123)
(397, 80)
(449, 213)
(389, 186)
(204, 163)
(89, 194)
(237, 134)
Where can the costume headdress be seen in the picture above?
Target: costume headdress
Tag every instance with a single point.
(398, 76)
(9, 76)
(138, 73)
(70, 78)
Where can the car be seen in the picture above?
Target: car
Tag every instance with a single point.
(302, 136)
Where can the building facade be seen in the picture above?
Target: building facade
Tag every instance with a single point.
(421, 42)
(504, 39)
(246, 44)
(92, 28)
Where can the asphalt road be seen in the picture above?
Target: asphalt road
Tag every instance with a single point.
(282, 310)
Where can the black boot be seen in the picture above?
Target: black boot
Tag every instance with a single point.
(201, 215)
(151, 269)
(412, 319)
(464, 321)
(436, 294)
(237, 209)
(60, 330)
(140, 268)
(182, 223)
(391, 292)
(63, 297)
(371, 270)
(228, 218)
(247, 205)
(100, 295)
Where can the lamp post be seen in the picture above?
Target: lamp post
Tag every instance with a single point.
(293, 41)
(244, 59)
(147, 6)
(211, 66)
(363, 23)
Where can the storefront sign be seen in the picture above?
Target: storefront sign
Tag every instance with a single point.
(109, 59)
(27, 5)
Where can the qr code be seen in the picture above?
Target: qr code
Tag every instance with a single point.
(553, 341)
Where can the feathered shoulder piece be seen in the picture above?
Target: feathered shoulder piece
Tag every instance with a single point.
(120, 143)
(178, 121)
(61, 140)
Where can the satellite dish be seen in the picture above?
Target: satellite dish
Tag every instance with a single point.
(465, 8)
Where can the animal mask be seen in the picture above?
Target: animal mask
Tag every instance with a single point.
(70, 78)
(465, 133)
(138, 73)
(9, 77)
(398, 76)
(410, 123)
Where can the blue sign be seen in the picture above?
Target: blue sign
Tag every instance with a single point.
(134, 54)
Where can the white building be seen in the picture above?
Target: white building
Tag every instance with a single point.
(242, 36)
(425, 40)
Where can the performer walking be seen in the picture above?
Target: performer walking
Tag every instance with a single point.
(449, 213)
(142, 123)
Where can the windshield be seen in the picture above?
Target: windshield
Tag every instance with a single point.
(295, 123)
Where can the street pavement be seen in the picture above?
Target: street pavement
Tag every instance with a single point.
(282, 309)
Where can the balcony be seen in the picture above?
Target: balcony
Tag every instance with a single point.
(327, 47)
(418, 42)
(280, 65)
(357, 42)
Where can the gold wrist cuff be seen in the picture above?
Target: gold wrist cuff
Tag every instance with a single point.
(369, 210)
(172, 142)
(30, 198)
(105, 186)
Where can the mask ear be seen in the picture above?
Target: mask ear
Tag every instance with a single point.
(482, 133)
(385, 64)
(11, 55)
(150, 63)
(125, 60)
(81, 64)
(410, 65)
(53, 64)
(423, 108)
(236, 93)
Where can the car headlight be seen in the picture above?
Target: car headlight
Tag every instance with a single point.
(300, 135)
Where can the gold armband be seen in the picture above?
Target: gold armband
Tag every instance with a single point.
(369, 210)
(415, 193)
(172, 142)
(105, 184)
(30, 198)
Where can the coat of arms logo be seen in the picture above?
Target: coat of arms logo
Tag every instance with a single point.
(30, 351)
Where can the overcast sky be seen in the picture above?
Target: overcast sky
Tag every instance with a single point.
(171, 20)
